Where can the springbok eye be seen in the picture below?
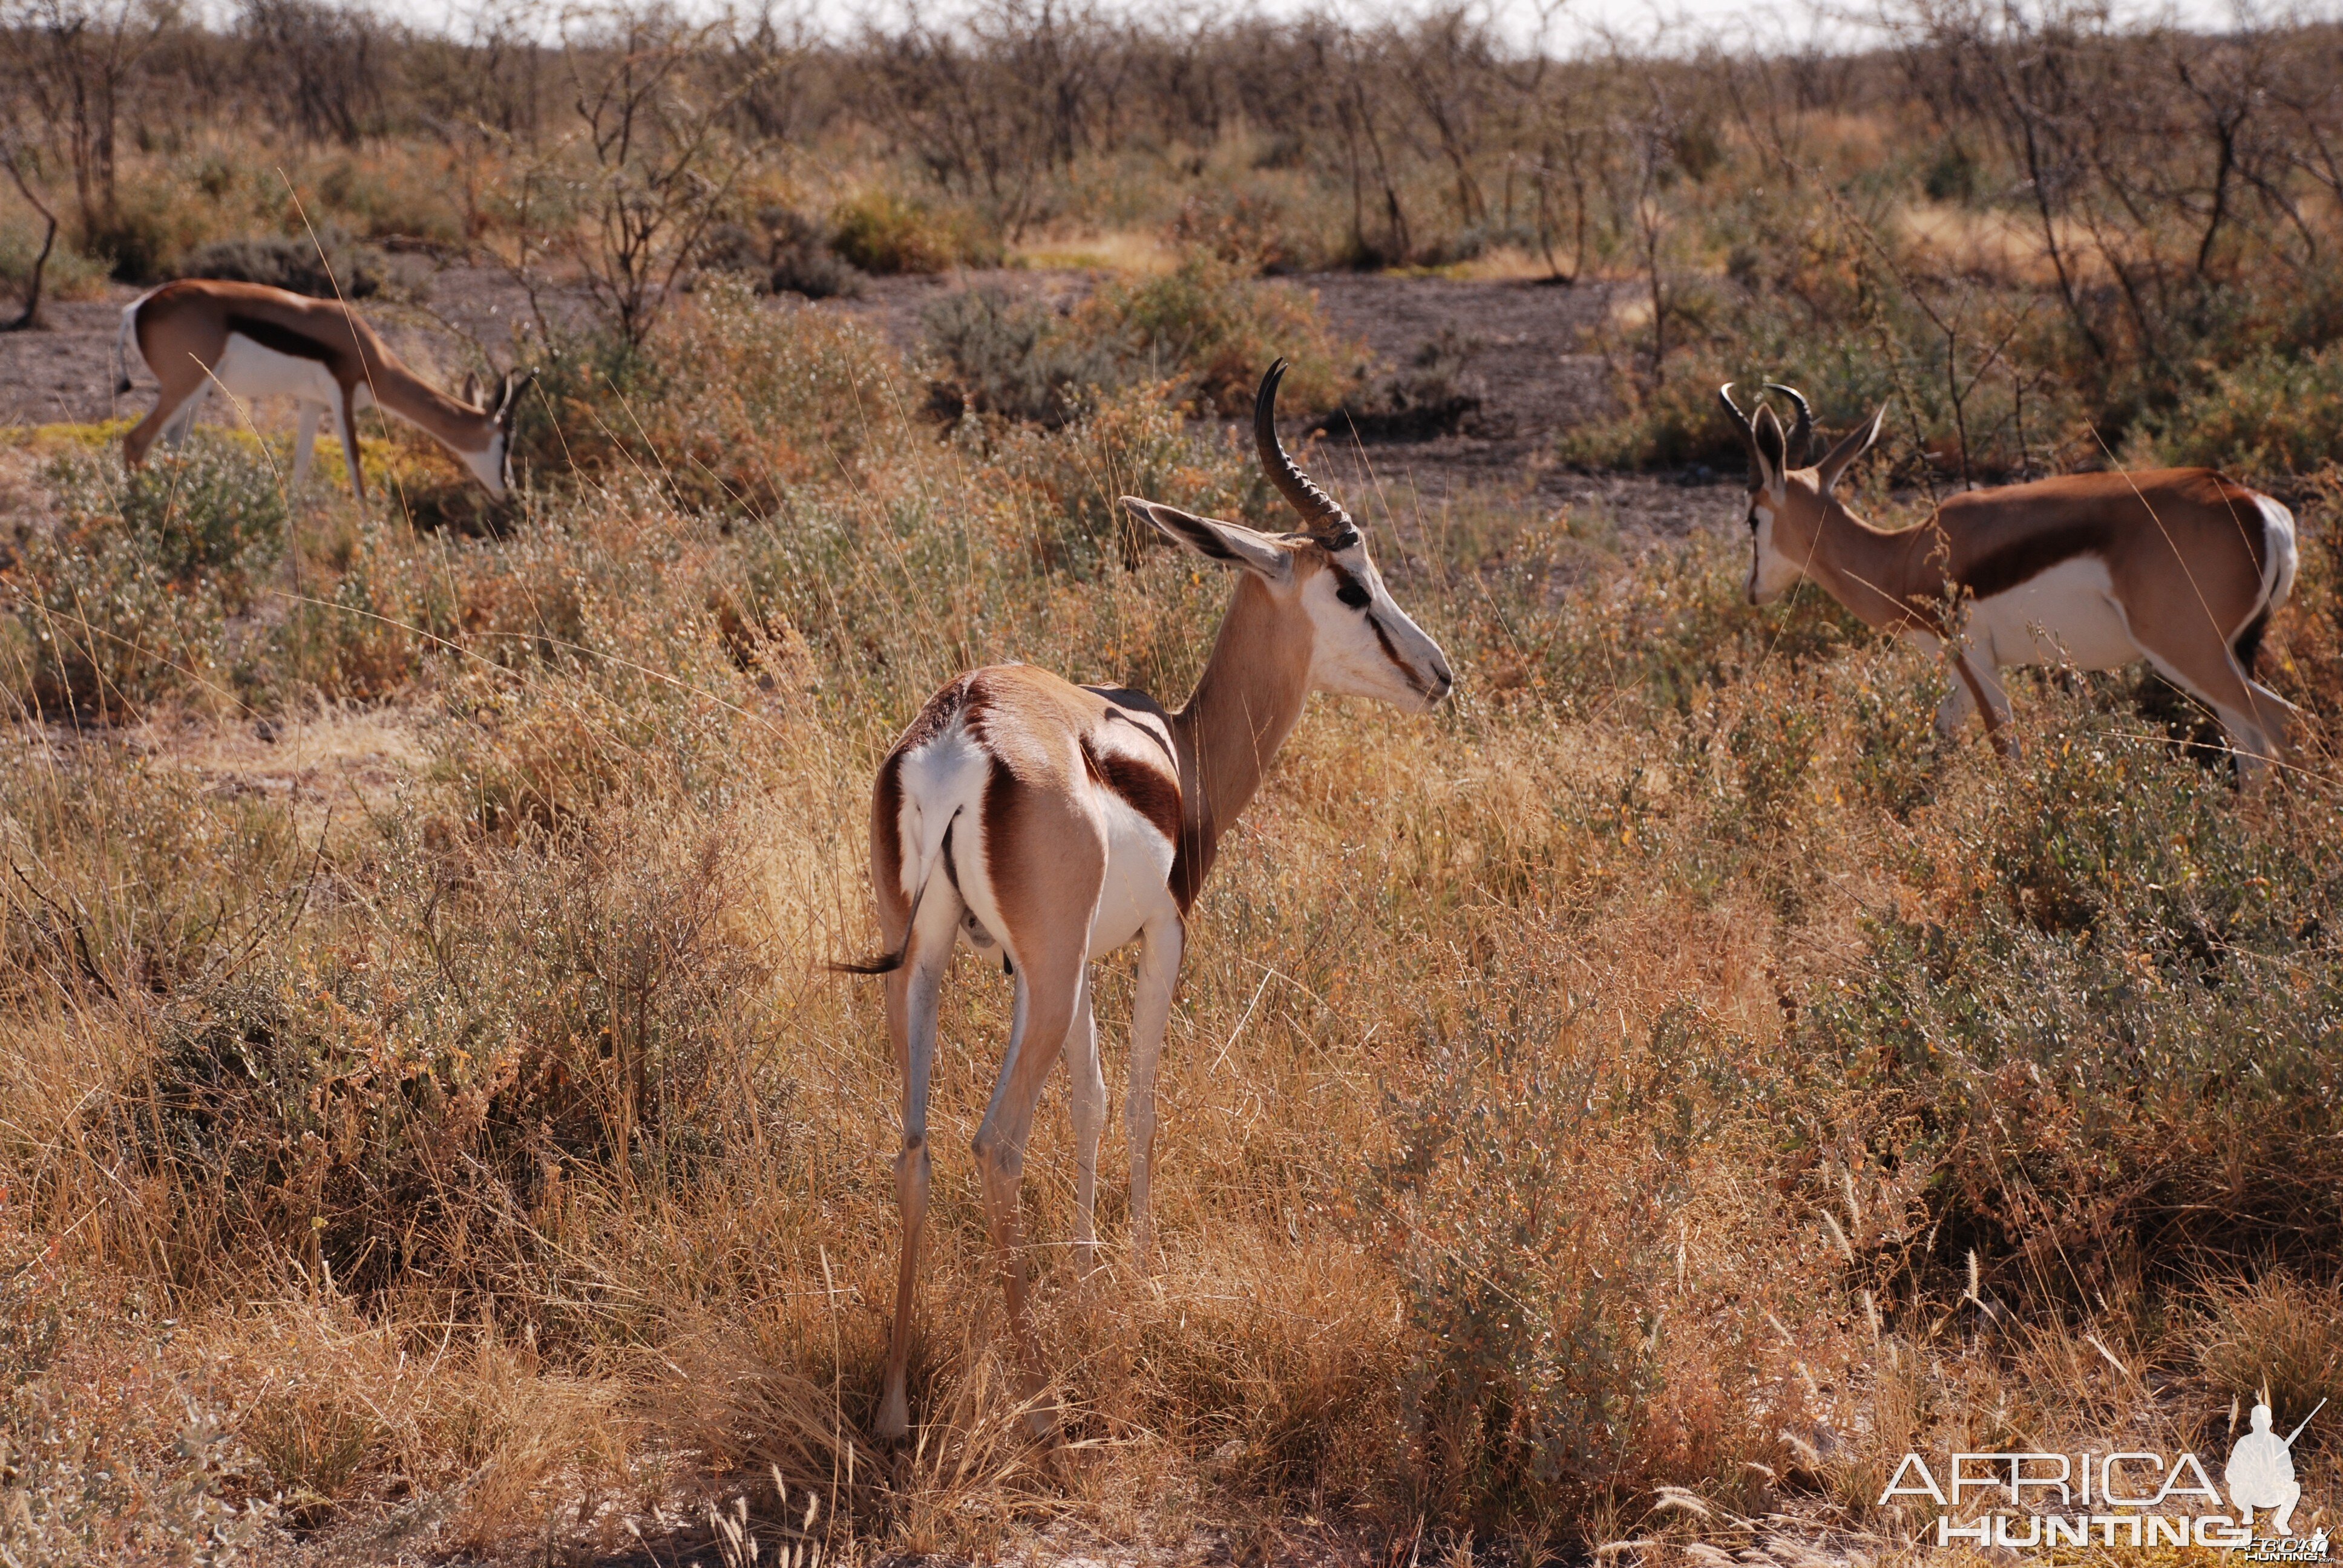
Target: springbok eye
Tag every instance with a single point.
(1354, 593)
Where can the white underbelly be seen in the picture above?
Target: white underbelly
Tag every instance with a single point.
(250, 370)
(1138, 879)
(2068, 614)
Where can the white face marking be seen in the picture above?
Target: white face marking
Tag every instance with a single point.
(488, 466)
(1772, 574)
(1372, 648)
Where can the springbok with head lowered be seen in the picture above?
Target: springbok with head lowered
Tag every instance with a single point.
(2180, 566)
(253, 341)
(1056, 823)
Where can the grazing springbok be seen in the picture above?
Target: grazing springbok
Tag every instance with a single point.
(2180, 566)
(254, 341)
(1057, 823)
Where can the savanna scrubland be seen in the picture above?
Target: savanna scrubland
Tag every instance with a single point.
(1620, 1113)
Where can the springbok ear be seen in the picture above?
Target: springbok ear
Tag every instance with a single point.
(516, 382)
(471, 389)
(1215, 540)
(1851, 446)
(1772, 446)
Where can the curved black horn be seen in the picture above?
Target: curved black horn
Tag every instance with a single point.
(1799, 449)
(1320, 512)
(1748, 431)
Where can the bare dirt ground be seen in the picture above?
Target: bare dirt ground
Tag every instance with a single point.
(1527, 347)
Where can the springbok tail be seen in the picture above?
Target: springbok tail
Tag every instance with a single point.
(123, 341)
(889, 962)
(2280, 560)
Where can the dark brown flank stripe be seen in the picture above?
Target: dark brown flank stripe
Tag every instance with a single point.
(887, 824)
(1002, 789)
(1160, 744)
(1140, 787)
(2025, 559)
(283, 339)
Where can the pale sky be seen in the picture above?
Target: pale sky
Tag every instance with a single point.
(1566, 26)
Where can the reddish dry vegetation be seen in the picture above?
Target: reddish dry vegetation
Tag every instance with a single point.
(1634, 1105)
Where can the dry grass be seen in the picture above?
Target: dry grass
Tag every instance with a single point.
(1580, 1108)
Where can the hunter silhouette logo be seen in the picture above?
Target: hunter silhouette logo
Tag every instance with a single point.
(2260, 1473)
(2124, 1497)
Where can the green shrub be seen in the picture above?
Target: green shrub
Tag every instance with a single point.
(2112, 1040)
(1211, 323)
(1017, 360)
(69, 275)
(126, 601)
(881, 232)
(2268, 419)
(293, 263)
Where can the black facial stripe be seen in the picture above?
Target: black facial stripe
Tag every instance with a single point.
(1391, 653)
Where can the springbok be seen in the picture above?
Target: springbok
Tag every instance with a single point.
(254, 341)
(1059, 823)
(2181, 567)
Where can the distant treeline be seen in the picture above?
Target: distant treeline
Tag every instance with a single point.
(2036, 234)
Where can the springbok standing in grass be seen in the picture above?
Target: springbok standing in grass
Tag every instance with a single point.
(1059, 823)
(2181, 567)
(254, 341)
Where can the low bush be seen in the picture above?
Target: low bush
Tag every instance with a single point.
(1220, 328)
(2108, 1039)
(1432, 395)
(1136, 440)
(69, 275)
(1014, 359)
(785, 252)
(328, 268)
(126, 601)
(881, 232)
(2265, 420)
(727, 405)
(1538, 1212)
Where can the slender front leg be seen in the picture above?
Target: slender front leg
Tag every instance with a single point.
(1985, 689)
(305, 442)
(1151, 1010)
(348, 416)
(1088, 1093)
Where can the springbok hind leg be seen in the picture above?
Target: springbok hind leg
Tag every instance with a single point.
(2255, 718)
(1049, 985)
(911, 993)
(140, 438)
